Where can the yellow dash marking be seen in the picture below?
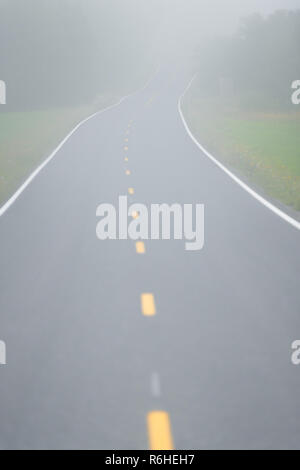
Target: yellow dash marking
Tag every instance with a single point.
(131, 191)
(148, 305)
(126, 159)
(140, 248)
(159, 431)
(135, 215)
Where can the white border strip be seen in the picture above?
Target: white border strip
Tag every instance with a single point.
(33, 175)
(259, 198)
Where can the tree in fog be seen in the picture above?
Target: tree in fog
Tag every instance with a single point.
(64, 52)
(261, 60)
(49, 52)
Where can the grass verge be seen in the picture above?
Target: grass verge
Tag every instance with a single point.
(265, 147)
(27, 138)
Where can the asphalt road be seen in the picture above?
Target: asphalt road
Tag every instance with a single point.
(84, 365)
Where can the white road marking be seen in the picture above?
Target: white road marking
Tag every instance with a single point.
(33, 175)
(155, 385)
(259, 198)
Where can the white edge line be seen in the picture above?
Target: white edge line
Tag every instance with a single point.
(254, 194)
(33, 175)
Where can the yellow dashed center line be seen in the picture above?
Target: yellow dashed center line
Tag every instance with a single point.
(140, 248)
(159, 431)
(148, 305)
(135, 215)
(158, 422)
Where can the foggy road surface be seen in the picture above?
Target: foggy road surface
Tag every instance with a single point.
(85, 366)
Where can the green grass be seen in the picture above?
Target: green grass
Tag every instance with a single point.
(264, 147)
(27, 138)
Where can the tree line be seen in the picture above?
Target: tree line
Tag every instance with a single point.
(258, 64)
(65, 52)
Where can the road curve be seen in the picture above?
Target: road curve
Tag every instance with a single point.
(86, 367)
